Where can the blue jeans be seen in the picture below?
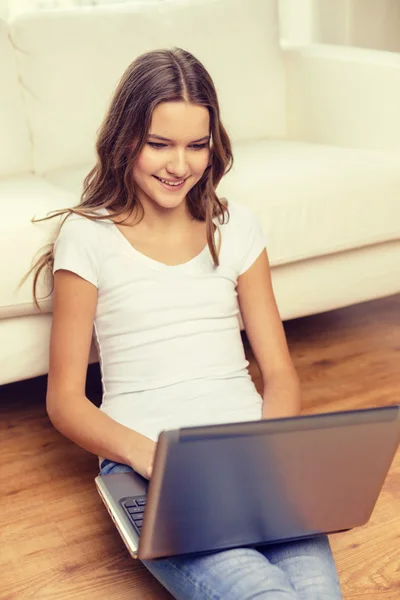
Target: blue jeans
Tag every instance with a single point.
(299, 570)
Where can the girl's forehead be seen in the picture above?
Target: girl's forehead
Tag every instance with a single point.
(180, 120)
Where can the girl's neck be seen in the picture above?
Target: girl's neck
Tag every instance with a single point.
(159, 219)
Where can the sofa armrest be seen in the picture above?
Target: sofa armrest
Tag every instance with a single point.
(343, 96)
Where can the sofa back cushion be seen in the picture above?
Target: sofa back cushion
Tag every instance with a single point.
(15, 145)
(70, 62)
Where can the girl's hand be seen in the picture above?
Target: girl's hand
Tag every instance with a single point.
(142, 455)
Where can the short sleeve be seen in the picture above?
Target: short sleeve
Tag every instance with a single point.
(77, 248)
(251, 240)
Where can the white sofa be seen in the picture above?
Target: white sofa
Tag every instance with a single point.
(315, 130)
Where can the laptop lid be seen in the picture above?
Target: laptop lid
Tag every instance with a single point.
(245, 484)
(225, 486)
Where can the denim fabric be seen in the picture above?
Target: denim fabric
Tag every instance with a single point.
(299, 570)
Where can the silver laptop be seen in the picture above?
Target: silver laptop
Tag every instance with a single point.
(245, 484)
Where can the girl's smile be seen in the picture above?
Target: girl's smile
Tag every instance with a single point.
(172, 185)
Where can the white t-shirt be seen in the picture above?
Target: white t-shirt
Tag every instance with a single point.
(169, 341)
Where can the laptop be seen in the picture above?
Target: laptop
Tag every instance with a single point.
(245, 484)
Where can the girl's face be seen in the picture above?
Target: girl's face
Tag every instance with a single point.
(175, 154)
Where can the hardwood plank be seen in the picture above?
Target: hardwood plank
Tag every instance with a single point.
(57, 540)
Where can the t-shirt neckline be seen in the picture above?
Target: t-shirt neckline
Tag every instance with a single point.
(144, 258)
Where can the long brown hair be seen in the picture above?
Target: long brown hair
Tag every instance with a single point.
(154, 77)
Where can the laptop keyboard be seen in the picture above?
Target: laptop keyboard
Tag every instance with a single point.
(134, 508)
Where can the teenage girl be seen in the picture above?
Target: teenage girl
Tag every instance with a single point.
(158, 265)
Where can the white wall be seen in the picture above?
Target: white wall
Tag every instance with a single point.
(374, 24)
(363, 23)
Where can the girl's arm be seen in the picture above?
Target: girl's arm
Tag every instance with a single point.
(70, 411)
(267, 338)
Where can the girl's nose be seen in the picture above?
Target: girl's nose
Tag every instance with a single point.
(177, 164)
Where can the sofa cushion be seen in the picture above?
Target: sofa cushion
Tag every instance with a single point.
(20, 240)
(315, 200)
(16, 154)
(69, 178)
(70, 83)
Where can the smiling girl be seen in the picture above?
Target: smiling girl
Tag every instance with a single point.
(158, 265)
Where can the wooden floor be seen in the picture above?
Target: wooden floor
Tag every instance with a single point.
(57, 541)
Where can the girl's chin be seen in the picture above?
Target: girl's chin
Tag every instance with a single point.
(173, 203)
(166, 200)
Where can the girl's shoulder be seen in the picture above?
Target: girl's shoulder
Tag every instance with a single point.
(80, 247)
(80, 225)
(239, 217)
(243, 238)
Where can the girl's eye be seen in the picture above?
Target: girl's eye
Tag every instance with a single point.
(157, 145)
